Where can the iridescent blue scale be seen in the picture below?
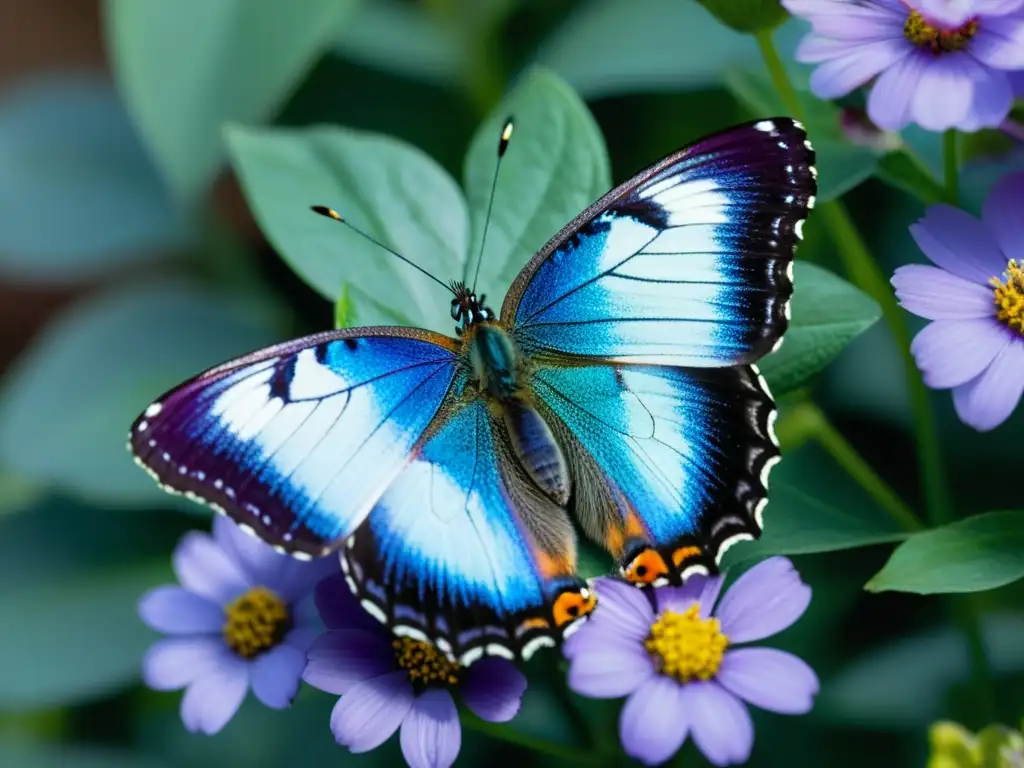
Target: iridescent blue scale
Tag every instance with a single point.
(616, 388)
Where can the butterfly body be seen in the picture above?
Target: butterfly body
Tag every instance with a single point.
(616, 388)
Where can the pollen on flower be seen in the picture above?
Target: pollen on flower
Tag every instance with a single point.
(256, 622)
(425, 664)
(1009, 296)
(685, 646)
(919, 31)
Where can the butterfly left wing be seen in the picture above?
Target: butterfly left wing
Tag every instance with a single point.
(688, 263)
(464, 552)
(296, 442)
(670, 464)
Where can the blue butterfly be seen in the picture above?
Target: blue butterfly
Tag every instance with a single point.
(616, 384)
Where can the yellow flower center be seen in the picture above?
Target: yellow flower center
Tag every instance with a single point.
(256, 622)
(685, 646)
(1009, 296)
(925, 35)
(425, 664)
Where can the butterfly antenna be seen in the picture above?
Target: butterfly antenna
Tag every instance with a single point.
(330, 213)
(506, 135)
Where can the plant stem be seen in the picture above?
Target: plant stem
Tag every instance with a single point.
(507, 734)
(951, 166)
(847, 457)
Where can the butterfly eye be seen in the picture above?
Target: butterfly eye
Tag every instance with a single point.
(573, 605)
(456, 309)
(646, 568)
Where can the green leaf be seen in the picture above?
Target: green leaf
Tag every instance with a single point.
(73, 639)
(344, 312)
(187, 67)
(815, 507)
(404, 39)
(66, 407)
(899, 169)
(747, 15)
(904, 685)
(827, 314)
(28, 754)
(81, 198)
(842, 166)
(555, 166)
(385, 187)
(658, 45)
(978, 553)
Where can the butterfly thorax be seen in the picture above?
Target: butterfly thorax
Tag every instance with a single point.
(499, 374)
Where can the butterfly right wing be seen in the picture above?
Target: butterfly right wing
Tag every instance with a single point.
(297, 442)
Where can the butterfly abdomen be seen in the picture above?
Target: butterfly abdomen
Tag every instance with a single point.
(537, 450)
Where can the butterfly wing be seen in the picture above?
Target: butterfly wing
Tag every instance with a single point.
(463, 551)
(671, 464)
(688, 263)
(297, 442)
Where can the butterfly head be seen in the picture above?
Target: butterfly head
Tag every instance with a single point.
(467, 308)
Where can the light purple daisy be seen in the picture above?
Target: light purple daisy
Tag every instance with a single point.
(388, 682)
(939, 63)
(975, 296)
(678, 664)
(243, 616)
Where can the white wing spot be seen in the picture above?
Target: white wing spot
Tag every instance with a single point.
(154, 410)
(765, 125)
(142, 426)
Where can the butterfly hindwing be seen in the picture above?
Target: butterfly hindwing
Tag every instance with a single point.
(297, 442)
(464, 552)
(676, 460)
(689, 263)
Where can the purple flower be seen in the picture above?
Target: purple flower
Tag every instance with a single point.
(679, 666)
(975, 296)
(386, 682)
(242, 617)
(939, 63)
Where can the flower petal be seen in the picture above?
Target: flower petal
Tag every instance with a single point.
(842, 20)
(959, 243)
(371, 711)
(702, 589)
(654, 723)
(302, 638)
(943, 96)
(892, 95)
(203, 567)
(339, 608)
(987, 401)
(1004, 214)
(174, 662)
(935, 294)
(493, 689)
(289, 577)
(764, 600)
(1001, 43)
(341, 659)
(721, 724)
(623, 605)
(176, 611)
(276, 675)
(431, 735)
(842, 74)
(769, 679)
(214, 697)
(992, 99)
(952, 352)
(610, 666)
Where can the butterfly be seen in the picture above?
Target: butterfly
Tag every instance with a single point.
(615, 387)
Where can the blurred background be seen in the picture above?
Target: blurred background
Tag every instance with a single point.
(129, 261)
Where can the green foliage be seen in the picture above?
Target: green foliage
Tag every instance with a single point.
(747, 15)
(827, 314)
(187, 67)
(387, 188)
(978, 553)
